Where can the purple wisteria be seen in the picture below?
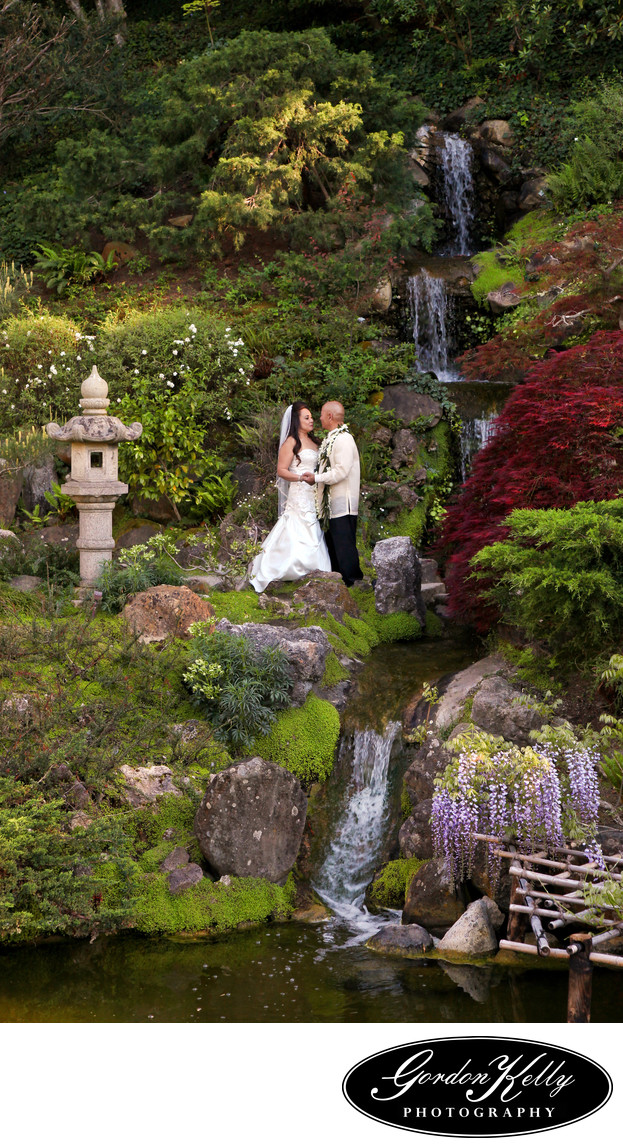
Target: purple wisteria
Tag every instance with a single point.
(515, 793)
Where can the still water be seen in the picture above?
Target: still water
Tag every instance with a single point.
(293, 972)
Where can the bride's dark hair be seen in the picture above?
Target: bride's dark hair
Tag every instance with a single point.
(295, 425)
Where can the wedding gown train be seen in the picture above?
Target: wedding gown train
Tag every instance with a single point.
(295, 545)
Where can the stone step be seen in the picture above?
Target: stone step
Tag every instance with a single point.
(430, 570)
(430, 591)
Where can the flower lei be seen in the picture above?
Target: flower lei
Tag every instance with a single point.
(323, 503)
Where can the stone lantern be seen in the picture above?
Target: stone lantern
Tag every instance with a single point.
(93, 483)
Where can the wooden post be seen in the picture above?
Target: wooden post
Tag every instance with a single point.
(517, 922)
(580, 979)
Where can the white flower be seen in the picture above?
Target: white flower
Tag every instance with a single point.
(78, 358)
(53, 370)
(62, 354)
(191, 327)
(175, 352)
(169, 384)
(187, 340)
(241, 370)
(136, 370)
(143, 352)
(175, 372)
(39, 366)
(4, 390)
(161, 376)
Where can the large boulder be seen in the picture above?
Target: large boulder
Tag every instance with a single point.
(472, 935)
(408, 405)
(458, 689)
(306, 648)
(38, 479)
(250, 822)
(401, 941)
(429, 762)
(416, 835)
(159, 509)
(398, 578)
(500, 709)
(165, 612)
(406, 448)
(325, 593)
(497, 132)
(432, 900)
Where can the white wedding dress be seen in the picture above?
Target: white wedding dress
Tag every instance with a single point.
(295, 545)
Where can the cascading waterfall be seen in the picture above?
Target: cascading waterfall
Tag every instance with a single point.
(475, 434)
(431, 311)
(458, 191)
(353, 855)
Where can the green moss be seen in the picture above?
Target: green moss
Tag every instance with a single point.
(172, 813)
(406, 806)
(238, 606)
(434, 625)
(398, 627)
(333, 671)
(210, 906)
(492, 274)
(303, 740)
(390, 887)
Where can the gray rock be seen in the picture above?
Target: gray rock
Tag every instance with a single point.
(398, 578)
(26, 583)
(37, 482)
(432, 900)
(8, 538)
(137, 535)
(416, 835)
(472, 935)
(430, 570)
(145, 783)
(494, 164)
(10, 490)
(63, 534)
(406, 448)
(177, 859)
(160, 509)
(306, 648)
(182, 879)
(428, 763)
(250, 822)
(496, 916)
(455, 120)
(474, 981)
(501, 710)
(497, 132)
(459, 688)
(504, 299)
(401, 941)
(500, 895)
(532, 194)
(611, 840)
(432, 592)
(408, 405)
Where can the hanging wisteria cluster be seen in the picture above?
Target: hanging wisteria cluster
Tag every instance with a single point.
(530, 796)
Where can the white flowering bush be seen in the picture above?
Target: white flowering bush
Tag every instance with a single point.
(43, 360)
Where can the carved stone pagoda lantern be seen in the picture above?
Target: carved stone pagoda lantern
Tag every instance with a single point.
(93, 483)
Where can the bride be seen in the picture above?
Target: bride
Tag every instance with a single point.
(295, 545)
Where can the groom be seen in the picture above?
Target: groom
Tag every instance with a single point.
(337, 497)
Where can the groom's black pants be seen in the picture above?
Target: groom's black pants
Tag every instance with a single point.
(342, 546)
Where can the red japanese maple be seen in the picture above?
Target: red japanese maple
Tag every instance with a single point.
(556, 443)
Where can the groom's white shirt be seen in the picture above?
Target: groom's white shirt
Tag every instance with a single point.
(343, 476)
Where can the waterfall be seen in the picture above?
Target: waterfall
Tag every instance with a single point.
(354, 852)
(475, 433)
(431, 311)
(458, 191)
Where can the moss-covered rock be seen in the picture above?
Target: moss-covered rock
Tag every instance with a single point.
(303, 740)
(388, 889)
(210, 906)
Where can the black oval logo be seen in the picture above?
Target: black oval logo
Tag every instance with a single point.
(477, 1086)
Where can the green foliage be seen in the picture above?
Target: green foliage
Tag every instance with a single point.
(594, 170)
(333, 671)
(237, 606)
(558, 575)
(65, 267)
(304, 740)
(389, 889)
(210, 907)
(493, 274)
(137, 568)
(15, 286)
(238, 686)
(434, 625)
(42, 892)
